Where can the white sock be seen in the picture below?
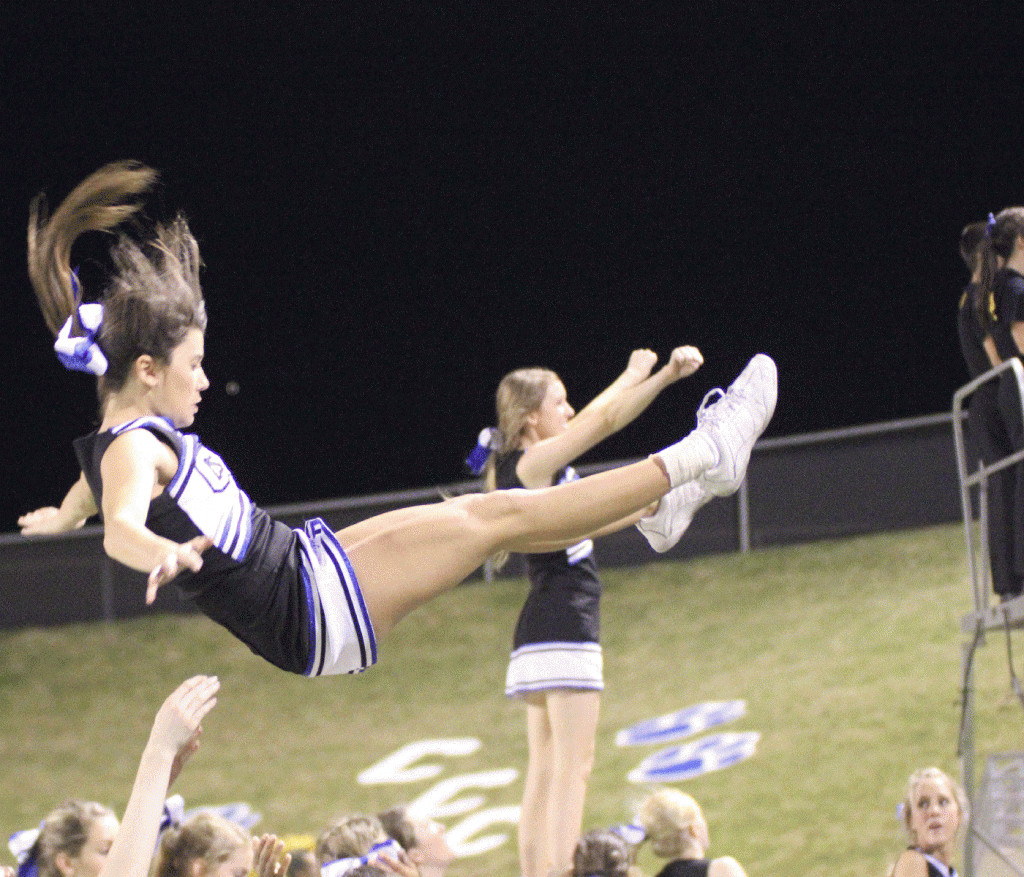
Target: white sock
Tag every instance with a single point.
(688, 458)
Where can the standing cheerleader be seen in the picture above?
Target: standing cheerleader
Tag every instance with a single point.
(556, 664)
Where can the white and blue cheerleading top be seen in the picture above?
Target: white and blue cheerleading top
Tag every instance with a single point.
(290, 595)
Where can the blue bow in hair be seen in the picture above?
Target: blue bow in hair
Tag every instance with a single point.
(488, 440)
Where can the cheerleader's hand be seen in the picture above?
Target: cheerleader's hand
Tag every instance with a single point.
(640, 364)
(45, 521)
(187, 750)
(188, 555)
(178, 720)
(401, 865)
(269, 857)
(683, 362)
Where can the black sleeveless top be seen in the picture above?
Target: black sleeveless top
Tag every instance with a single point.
(686, 868)
(251, 585)
(565, 592)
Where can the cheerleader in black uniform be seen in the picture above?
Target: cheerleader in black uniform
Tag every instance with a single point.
(934, 808)
(556, 667)
(311, 601)
(1001, 281)
(987, 428)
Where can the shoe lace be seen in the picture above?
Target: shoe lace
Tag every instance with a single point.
(714, 404)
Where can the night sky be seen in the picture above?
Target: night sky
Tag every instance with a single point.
(397, 207)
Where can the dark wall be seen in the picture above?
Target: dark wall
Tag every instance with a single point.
(886, 477)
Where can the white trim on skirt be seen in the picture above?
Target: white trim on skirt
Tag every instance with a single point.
(544, 666)
(341, 634)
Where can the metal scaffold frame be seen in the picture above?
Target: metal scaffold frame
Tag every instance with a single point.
(1007, 616)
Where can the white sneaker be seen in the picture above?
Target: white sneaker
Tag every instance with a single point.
(666, 526)
(734, 422)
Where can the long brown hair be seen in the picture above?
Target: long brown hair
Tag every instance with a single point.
(153, 297)
(971, 240)
(519, 394)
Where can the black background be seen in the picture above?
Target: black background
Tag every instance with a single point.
(397, 207)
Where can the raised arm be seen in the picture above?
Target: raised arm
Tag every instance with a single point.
(612, 409)
(173, 730)
(133, 468)
(78, 506)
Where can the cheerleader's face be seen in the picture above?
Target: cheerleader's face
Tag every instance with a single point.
(238, 864)
(935, 816)
(178, 385)
(94, 852)
(554, 413)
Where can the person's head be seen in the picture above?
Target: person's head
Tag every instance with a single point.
(153, 298)
(74, 840)
(1004, 237)
(348, 837)
(207, 845)
(602, 853)
(934, 808)
(971, 239)
(674, 824)
(303, 864)
(530, 402)
(424, 840)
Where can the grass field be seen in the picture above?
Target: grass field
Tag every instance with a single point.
(847, 654)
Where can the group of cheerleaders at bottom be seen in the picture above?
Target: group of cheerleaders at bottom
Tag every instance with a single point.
(84, 839)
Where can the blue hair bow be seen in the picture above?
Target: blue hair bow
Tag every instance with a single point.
(488, 440)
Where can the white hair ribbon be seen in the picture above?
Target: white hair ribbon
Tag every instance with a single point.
(82, 354)
(21, 842)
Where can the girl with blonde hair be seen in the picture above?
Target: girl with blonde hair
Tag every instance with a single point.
(675, 825)
(934, 809)
(310, 601)
(556, 663)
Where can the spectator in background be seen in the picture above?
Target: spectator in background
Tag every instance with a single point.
(1000, 262)
(987, 430)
